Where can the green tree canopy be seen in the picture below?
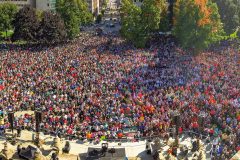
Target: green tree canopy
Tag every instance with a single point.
(131, 27)
(197, 23)
(25, 24)
(164, 25)
(230, 14)
(7, 14)
(68, 10)
(151, 14)
(74, 13)
(85, 15)
(139, 22)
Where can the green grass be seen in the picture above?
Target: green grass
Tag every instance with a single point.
(19, 42)
(3, 38)
(6, 35)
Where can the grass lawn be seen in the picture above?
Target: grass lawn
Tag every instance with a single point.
(8, 34)
(3, 38)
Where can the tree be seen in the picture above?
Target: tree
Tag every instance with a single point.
(197, 24)
(25, 24)
(131, 27)
(105, 3)
(7, 13)
(164, 25)
(230, 14)
(51, 28)
(138, 23)
(85, 15)
(68, 10)
(74, 13)
(151, 14)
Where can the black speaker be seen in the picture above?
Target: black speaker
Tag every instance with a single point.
(11, 119)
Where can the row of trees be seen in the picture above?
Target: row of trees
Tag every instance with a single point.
(43, 27)
(47, 27)
(196, 23)
(32, 25)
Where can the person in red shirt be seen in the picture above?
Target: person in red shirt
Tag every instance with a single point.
(180, 130)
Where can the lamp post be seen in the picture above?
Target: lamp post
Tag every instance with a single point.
(38, 119)
(11, 119)
(10, 115)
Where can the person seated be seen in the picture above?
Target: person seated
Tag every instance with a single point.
(67, 147)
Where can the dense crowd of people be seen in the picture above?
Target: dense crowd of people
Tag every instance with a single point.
(96, 88)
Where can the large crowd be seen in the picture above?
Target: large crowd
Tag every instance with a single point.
(96, 88)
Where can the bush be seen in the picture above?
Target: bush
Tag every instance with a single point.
(25, 24)
(51, 28)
